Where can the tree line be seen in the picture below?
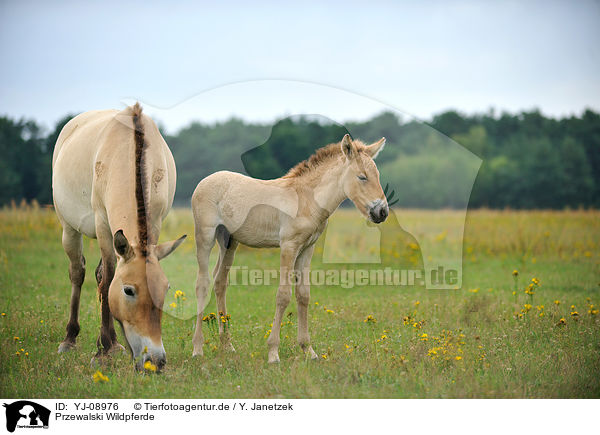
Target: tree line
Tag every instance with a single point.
(527, 160)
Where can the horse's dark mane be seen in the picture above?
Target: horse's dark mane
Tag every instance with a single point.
(140, 178)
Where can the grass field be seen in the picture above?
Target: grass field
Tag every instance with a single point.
(478, 341)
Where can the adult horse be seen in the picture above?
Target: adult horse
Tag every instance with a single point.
(113, 178)
(289, 212)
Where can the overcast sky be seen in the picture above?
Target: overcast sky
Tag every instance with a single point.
(419, 57)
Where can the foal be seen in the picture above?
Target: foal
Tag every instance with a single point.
(290, 212)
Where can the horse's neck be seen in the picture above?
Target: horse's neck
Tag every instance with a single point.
(328, 189)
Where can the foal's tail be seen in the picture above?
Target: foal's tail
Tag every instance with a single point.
(223, 236)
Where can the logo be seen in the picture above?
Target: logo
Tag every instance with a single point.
(26, 414)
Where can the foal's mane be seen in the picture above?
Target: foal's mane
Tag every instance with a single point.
(319, 157)
(140, 177)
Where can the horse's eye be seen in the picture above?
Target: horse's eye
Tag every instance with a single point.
(128, 290)
(362, 177)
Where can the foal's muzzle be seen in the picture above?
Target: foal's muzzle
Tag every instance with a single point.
(378, 211)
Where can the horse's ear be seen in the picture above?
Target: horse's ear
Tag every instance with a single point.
(122, 246)
(374, 149)
(348, 147)
(166, 248)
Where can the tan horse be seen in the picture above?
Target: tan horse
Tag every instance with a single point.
(114, 179)
(290, 212)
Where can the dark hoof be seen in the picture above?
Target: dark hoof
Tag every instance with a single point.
(66, 346)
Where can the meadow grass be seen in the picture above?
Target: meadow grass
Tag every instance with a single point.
(477, 341)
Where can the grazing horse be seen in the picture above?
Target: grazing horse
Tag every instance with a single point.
(289, 212)
(113, 178)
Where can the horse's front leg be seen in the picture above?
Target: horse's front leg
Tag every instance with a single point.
(303, 298)
(284, 294)
(107, 341)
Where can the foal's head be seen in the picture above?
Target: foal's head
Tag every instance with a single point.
(360, 178)
(137, 294)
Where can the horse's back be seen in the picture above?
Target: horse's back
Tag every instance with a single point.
(73, 169)
(250, 209)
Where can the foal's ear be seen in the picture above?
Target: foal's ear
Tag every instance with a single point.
(348, 147)
(122, 245)
(374, 149)
(166, 248)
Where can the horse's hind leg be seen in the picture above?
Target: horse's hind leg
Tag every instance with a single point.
(205, 239)
(227, 248)
(98, 273)
(73, 246)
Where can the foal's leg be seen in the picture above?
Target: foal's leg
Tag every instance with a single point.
(73, 246)
(284, 294)
(303, 298)
(226, 257)
(205, 239)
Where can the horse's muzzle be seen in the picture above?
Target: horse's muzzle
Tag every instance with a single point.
(378, 211)
(159, 360)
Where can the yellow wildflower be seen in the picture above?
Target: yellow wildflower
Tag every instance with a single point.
(557, 302)
(173, 305)
(515, 272)
(99, 377)
(370, 319)
(458, 358)
(149, 366)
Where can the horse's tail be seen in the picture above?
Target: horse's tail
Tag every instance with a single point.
(140, 177)
(223, 236)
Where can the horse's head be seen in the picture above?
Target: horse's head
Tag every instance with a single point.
(136, 297)
(361, 179)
